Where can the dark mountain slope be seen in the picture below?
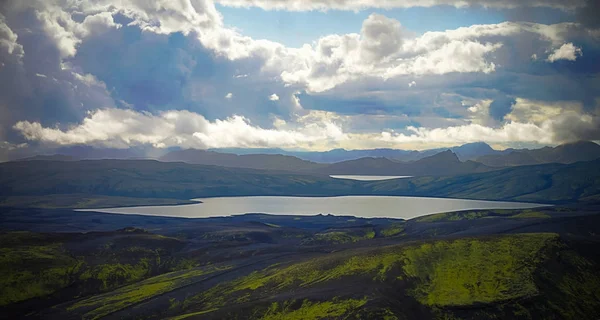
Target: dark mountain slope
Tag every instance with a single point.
(566, 153)
(441, 164)
(506, 264)
(548, 183)
(251, 161)
(154, 179)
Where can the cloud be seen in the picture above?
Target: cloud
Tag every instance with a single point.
(567, 51)
(8, 39)
(354, 5)
(118, 128)
(529, 122)
(168, 56)
(538, 112)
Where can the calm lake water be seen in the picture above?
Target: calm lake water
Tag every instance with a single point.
(359, 206)
(368, 178)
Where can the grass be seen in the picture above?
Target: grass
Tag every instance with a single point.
(456, 216)
(340, 236)
(472, 215)
(104, 304)
(469, 271)
(32, 267)
(313, 310)
(394, 230)
(35, 265)
(530, 214)
(113, 274)
(440, 273)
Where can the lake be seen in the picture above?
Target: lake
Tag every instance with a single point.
(359, 206)
(368, 178)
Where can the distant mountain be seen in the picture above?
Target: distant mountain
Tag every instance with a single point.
(471, 151)
(546, 183)
(566, 153)
(464, 152)
(250, 161)
(543, 183)
(53, 157)
(93, 153)
(441, 164)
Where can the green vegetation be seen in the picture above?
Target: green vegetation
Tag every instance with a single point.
(454, 216)
(36, 265)
(32, 270)
(472, 215)
(104, 304)
(313, 310)
(114, 274)
(193, 314)
(393, 230)
(468, 271)
(245, 268)
(530, 214)
(340, 236)
(443, 273)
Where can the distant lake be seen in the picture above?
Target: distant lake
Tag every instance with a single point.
(359, 206)
(368, 178)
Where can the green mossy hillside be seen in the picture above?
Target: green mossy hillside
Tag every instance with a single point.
(35, 265)
(470, 271)
(438, 273)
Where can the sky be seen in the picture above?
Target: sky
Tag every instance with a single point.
(297, 74)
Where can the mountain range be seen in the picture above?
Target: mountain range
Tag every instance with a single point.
(468, 158)
(546, 183)
(565, 153)
(469, 151)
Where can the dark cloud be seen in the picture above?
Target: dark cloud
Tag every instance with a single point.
(588, 15)
(35, 87)
(501, 106)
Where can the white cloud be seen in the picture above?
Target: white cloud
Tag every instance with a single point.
(511, 132)
(354, 5)
(8, 39)
(120, 128)
(317, 130)
(89, 80)
(480, 113)
(229, 95)
(274, 97)
(11, 146)
(529, 122)
(412, 84)
(538, 112)
(382, 49)
(567, 51)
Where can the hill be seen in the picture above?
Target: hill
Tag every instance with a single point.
(547, 183)
(441, 164)
(565, 153)
(28, 182)
(469, 151)
(154, 179)
(490, 264)
(252, 161)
